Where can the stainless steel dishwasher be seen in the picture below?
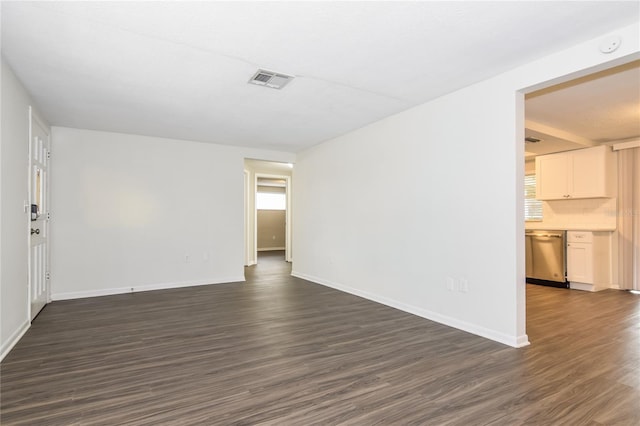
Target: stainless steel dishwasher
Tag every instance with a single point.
(546, 258)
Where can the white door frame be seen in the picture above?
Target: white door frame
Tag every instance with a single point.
(248, 238)
(521, 311)
(287, 239)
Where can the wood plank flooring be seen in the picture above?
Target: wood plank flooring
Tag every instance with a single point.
(278, 350)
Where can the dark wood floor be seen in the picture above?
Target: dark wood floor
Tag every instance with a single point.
(278, 350)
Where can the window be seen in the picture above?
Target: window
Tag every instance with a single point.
(271, 201)
(532, 207)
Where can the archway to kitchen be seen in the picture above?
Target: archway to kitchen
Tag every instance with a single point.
(267, 211)
(578, 130)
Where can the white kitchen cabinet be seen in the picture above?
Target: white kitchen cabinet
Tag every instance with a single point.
(589, 260)
(583, 173)
(580, 262)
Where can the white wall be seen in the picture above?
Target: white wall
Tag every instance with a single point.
(386, 211)
(133, 212)
(591, 213)
(14, 221)
(271, 229)
(530, 167)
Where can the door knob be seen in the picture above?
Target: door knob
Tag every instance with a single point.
(35, 231)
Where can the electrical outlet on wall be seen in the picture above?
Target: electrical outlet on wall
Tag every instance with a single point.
(464, 285)
(451, 284)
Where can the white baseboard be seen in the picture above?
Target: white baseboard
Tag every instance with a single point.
(586, 287)
(139, 288)
(514, 341)
(271, 248)
(13, 339)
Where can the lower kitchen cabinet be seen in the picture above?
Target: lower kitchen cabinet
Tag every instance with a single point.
(589, 260)
(580, 262)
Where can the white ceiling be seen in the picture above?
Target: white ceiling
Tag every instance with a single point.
(180, 69)
(599, 108)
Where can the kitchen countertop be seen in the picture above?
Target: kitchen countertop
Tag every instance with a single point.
(568, 227)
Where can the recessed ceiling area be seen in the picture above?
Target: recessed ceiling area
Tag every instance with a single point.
(603, 107)
(180, 69)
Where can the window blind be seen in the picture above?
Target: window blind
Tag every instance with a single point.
(271, 201)
(532, 207)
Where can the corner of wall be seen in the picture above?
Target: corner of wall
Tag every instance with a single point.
(9, 343)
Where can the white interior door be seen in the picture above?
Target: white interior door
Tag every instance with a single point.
(39, 145)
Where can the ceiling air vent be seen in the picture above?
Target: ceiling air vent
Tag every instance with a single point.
(270, 79)
(530, 139)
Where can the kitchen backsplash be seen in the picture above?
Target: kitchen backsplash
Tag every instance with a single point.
(586, 213)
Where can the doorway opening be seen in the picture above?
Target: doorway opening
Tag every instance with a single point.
(267, 211)
(582, 133)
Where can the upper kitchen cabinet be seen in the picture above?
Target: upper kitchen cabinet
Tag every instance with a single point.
(583, 173)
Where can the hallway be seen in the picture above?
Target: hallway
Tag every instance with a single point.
(271, 266)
